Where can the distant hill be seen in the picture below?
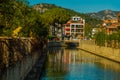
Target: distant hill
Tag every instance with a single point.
(104, 14)
(44, 7)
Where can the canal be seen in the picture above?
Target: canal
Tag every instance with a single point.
(75, 64)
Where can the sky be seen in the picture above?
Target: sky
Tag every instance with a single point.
(83, 6)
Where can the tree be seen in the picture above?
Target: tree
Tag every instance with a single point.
(88, 31)
(100, 38)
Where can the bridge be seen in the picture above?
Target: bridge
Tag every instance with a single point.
(65, 43)
(71, 43)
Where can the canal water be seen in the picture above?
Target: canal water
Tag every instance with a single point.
(75, 64)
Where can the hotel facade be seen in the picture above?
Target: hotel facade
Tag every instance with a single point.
(75, 28)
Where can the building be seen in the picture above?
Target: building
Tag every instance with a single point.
(56, 31)
(118, 17)
(112, 26)
(75, 28)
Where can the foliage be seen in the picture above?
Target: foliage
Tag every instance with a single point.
(55, 15)
(88, 31)
(111, 40)
(15, 13)
(100, 38)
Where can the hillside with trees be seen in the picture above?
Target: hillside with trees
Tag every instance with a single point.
(54, 14)
(51, 9)
(19, 19)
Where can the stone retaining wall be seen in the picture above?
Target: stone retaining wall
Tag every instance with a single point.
(18, 56)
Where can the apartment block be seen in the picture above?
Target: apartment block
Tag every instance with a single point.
(75, 28)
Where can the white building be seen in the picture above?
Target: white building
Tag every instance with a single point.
(75, 27)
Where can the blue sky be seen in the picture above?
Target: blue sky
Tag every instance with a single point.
(83, 6)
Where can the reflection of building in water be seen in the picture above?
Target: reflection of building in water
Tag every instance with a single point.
(57, 65)
(74, 56)
(67, 56)
(71, 56)
(59, 61)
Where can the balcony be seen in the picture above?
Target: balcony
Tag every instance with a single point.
(67, 29)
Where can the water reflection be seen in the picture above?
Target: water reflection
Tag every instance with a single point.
(75, 64)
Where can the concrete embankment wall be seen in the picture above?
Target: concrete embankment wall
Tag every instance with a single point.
(18, 56)
(106, 52)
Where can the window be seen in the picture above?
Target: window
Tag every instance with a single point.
(72, 26)
(79, 26)
(72, 30)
